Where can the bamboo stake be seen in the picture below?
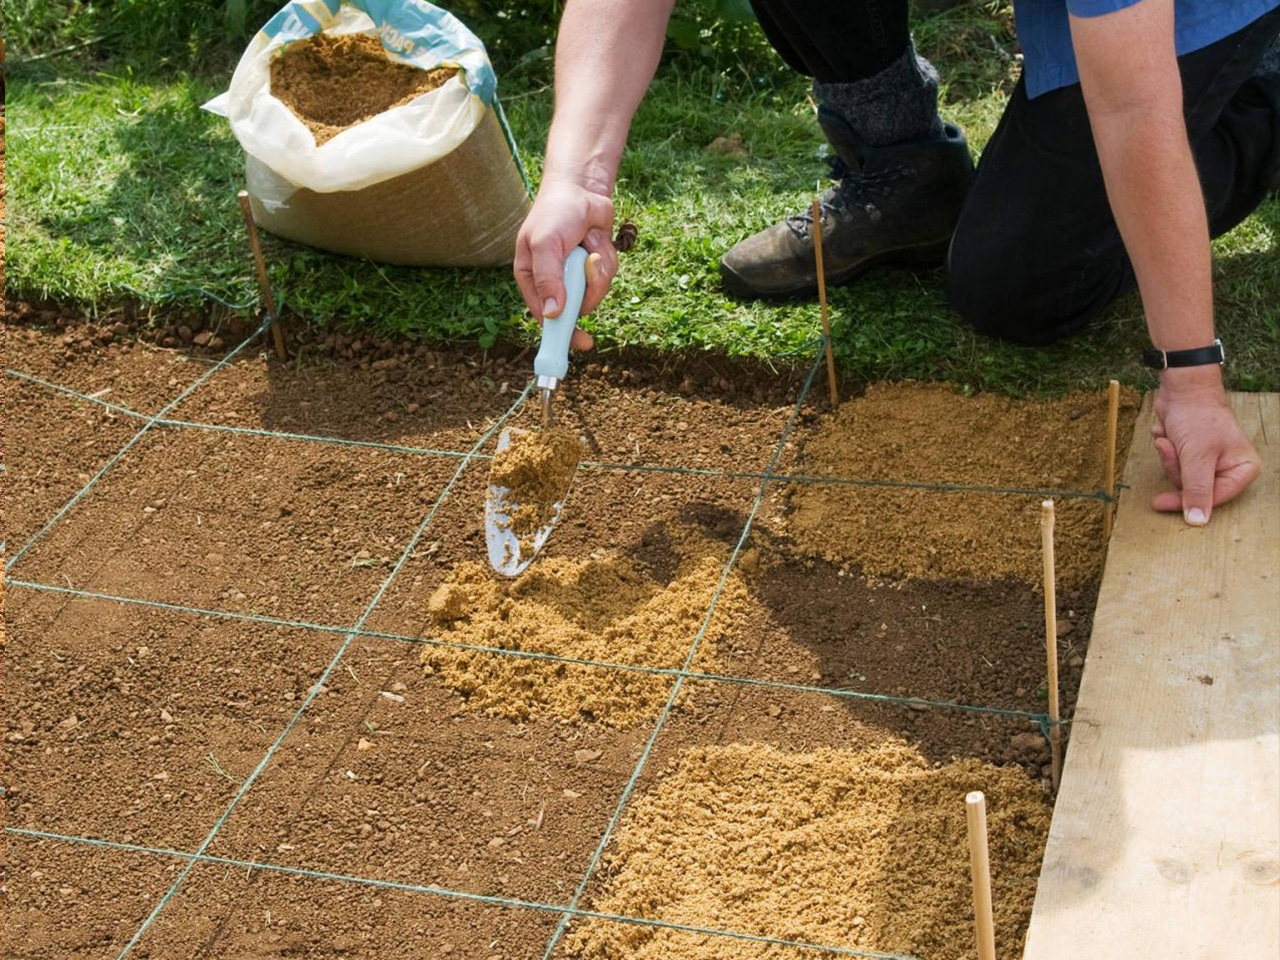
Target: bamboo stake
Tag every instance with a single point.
(975, 805)
(822, 301)
(1051, 637)
(264, 283)
(1113, 414)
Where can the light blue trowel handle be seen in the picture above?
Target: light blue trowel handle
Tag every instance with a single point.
(553, 353)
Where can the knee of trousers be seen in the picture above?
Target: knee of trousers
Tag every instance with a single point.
(1002, 292)
(982, 290)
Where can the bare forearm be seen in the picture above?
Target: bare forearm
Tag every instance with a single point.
(606, 54)
(1133, 91)
(1134, 98)
(1156, 200)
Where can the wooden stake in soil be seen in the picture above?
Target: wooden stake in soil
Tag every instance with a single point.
(975, 806)
(1113, 414)
(1051, 636)
(264, 284)
(822, 302)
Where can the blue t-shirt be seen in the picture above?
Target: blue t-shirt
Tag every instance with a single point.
(1049, 62)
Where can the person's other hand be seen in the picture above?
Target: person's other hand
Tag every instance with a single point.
(565, 215)
(1205, 453)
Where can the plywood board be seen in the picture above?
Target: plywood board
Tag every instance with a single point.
(1165, 839)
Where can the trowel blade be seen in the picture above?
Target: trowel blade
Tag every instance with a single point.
(510, 554)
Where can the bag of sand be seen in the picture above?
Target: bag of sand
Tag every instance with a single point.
(372, 128)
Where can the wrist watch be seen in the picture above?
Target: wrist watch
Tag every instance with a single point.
(1199, 357)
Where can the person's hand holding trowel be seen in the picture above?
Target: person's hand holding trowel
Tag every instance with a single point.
(584, 147)
(565, 216)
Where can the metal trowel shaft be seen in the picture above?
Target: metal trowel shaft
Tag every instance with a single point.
(547, 395)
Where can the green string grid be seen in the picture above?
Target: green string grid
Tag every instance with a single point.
(604, 467)
(781, 685)
(571, 910)
(465, 895)
(348, 639)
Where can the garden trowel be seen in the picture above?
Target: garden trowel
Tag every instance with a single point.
(540, 470)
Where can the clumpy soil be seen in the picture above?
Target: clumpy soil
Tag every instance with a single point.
(334, 82)
(875, 857)
(610, 610)
(776, 799)
(931, 435)
(536, 469)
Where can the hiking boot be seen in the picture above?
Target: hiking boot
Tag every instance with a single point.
(895, 204)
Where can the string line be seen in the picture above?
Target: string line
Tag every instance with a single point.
(320, 683)
(1041, 493)
(447, 892)
(545, 656)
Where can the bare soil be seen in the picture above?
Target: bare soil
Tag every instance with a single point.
(783, 796)
(4, 486)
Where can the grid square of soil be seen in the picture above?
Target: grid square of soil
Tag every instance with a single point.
(912, 900)
(98, 362)
(645, 419)
(433, 401)
(71, 900)
(288, 529)
(630, 513)
(897, 435)
(229, 913)
(388, 777)
(977, 643)
(55, 445)
(137, 725)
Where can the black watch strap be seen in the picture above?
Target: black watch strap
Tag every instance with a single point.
(1199, 357)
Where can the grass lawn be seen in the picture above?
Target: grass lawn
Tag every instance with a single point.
(123, 189)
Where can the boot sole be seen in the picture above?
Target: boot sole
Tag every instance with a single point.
(932, 255)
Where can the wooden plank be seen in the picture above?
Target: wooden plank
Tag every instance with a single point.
(1165, 840)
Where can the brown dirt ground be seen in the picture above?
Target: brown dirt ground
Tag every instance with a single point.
(489, 775)
(930, 434)
(4, 478)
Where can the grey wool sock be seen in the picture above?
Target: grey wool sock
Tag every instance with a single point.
(897, 105)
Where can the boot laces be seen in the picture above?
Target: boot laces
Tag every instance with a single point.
(853, 188)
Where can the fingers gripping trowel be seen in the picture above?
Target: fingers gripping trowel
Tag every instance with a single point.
(509, 551)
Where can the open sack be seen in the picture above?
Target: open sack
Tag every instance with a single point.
(432, 182)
